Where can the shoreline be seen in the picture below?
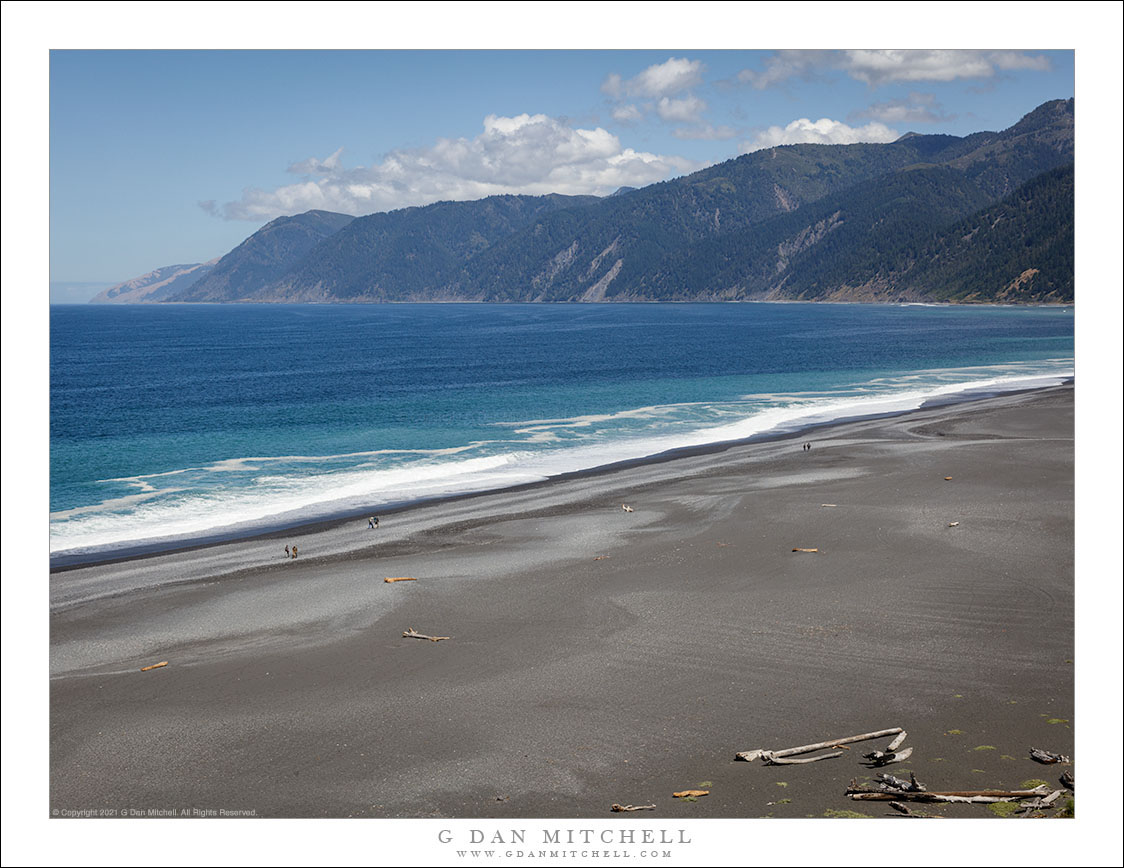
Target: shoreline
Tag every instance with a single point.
(601, 656)
(67, 560)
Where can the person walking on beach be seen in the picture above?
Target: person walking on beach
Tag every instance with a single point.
(294, 552)
(287, 555)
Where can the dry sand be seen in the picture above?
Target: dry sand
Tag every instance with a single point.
(597, 655)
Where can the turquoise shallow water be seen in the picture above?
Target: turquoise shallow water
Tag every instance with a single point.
(176, 422)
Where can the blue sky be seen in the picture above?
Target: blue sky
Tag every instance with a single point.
(166, 157)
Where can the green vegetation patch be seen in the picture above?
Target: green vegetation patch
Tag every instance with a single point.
(984, 747)
(846, 815)
(1003, 809)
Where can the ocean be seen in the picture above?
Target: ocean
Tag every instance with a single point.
(178, 423)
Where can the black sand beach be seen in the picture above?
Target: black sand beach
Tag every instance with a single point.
(597, 655)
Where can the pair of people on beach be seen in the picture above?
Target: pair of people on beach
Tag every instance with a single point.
(807, 447)
(372, 522)
(291, 553)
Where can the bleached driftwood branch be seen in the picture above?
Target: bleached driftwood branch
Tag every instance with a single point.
(982, 797)
(771, 755)
(414, 634)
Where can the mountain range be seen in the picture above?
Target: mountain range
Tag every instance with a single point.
(982, 218)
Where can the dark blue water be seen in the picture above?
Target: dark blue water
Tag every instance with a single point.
(174, 421)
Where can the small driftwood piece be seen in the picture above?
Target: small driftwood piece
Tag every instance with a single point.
(897, 742)
(954, 524)
(827, 505)
(898, 806)
(879, 758)
(414, 634)
(805, 550)
(1067, 779)
(771, 755)
(617, 809)
(948, 479)
(390, 579)
(688, 794)
(1045, 757)
(896, 784)
(159, 665)
(626, 507)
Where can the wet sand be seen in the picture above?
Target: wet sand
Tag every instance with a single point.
(598, 655)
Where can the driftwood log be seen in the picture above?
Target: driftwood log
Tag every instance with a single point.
(770, 756)
(1067, 779)
(159, 665)
(1045, 757)
(414, 634)
(390, 579)
(616, 809)
(805, 550)
(982, 797)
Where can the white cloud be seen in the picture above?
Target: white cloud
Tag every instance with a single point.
(684, 110)
(532, 154)
(920, 108)
(880, 67)
(786, 64)
(673, 76)
(627, 113)
(825, 131)
(613, 85)
(313, 165)
(877, 67)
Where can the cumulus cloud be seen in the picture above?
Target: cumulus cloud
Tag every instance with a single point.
(920, 108)
(532, 154)
(684, 110)
(673, 76)
(825, 131)
(878, 67)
